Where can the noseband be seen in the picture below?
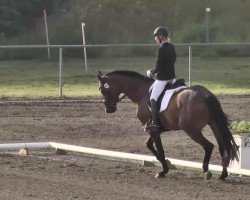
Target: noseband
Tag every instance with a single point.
(113, 103)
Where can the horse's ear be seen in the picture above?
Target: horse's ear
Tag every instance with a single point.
(99, 75)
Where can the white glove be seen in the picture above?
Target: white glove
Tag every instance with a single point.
(149, 74)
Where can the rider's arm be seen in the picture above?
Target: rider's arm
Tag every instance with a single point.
(159, 62)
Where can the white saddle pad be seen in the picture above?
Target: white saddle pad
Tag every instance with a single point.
(167, 96)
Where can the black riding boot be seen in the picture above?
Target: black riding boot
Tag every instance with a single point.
(153, 126)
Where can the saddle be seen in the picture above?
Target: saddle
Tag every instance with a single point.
(171, 85)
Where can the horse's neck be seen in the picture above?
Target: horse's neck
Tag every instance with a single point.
(136, 92)
(139, 95)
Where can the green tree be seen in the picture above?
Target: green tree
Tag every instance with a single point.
(20, 16)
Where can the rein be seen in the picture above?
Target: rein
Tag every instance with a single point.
(122, 97)
(112, 102)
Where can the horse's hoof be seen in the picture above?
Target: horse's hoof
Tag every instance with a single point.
(208, 175)
(222, 178)
(170, 166)
(160, 175)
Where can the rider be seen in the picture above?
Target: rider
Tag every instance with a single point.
(164, 71)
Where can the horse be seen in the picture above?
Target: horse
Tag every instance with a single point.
(189, 110)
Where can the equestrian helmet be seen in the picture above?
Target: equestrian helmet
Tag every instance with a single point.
(161, 31)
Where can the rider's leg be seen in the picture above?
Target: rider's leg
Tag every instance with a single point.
(154, 125)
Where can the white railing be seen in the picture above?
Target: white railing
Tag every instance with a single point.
(61, 47)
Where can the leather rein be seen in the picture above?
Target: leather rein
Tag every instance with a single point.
(122, 97)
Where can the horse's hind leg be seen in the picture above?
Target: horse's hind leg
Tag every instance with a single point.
(158, 152)
(225, 161)
(198, 137)
(225, 157)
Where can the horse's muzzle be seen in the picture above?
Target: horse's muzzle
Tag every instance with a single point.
(110, 110)
(110, 106)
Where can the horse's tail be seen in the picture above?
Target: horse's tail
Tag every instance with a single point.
(222, 123)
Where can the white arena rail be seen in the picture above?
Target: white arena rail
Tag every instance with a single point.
(116, 154)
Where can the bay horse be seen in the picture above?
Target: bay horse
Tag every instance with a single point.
(190, 110)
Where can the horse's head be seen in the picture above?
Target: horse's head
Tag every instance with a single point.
(132, 84)
(110, 92)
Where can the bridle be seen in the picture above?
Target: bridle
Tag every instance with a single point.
(122, 97)
(111, 102)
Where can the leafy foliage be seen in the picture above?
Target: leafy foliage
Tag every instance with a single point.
(129, 21)
(241, 127)
(20, 16)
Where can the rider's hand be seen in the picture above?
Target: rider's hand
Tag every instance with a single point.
(149, 74)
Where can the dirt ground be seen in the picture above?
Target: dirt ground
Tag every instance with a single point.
(44, 175)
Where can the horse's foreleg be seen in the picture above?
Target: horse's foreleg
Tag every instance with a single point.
(160, 154)
(150, 146)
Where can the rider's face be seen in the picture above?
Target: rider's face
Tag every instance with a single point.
(158, 39)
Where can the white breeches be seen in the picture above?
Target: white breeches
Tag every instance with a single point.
(158, 87)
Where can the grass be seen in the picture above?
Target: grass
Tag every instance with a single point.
(223, 75)
(40, 79)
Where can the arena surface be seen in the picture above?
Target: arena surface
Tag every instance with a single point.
(44, 175)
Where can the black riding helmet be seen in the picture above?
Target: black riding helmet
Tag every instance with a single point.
(161, 31)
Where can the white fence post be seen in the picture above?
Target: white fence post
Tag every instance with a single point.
(60, 73)
(46, 31)
(84, 48)
(189, 65)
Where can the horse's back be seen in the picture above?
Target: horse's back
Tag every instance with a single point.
(187, 107)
